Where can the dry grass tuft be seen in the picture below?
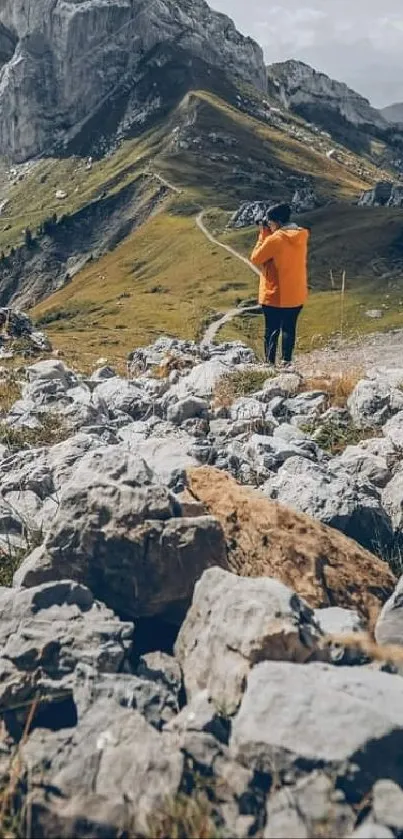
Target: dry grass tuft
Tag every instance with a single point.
(242, 383)
(51, 431)
(338, 387)
(363, 643)
(10, 392)
(185, 817)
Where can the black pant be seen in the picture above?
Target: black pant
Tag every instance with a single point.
(280, 320)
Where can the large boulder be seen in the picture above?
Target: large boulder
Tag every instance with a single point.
(265, 539)
(111, 774)
(373, 402)
(235, 622)
(50, 631)
(333, 497)
(349, 720)
(121, 535)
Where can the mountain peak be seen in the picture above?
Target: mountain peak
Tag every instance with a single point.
(62, 60)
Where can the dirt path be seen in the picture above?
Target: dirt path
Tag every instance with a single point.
(369, 354)
(214, 241)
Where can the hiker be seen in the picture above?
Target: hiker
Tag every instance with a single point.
(282, 254)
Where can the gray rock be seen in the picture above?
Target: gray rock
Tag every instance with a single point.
(117, 532)
(370, 830)
(373, 402)
(334, 498)
(163, 669)
(393, 431)
(186, 409)
(113, 770)
(338, 621)
(120, 396)
(392, 500)
(301, 811)
(50, 630)
(307, 405)
(235, 622)
(389, 627)
(387, 804)
(322, 716)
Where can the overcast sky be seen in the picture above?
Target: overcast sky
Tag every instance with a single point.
(356, 41)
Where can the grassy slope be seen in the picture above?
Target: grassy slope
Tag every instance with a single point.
(166, 277)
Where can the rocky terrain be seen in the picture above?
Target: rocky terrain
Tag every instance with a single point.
(200, 613)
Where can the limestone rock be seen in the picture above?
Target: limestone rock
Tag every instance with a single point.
(116, 532)
(321, 716)
(234, 623)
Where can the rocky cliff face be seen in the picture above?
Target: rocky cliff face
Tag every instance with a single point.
(393, 113)
(62, 60)
(298, 85)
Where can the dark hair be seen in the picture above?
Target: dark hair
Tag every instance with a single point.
(280, 214)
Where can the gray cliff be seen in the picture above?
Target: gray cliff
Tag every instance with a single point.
(63, 61)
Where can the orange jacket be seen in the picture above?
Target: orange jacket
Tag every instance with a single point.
(283, 258)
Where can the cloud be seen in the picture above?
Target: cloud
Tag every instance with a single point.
(352, 40)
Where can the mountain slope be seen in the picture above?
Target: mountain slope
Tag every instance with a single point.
(66, 61)
(393, 113)
(217, 154)
(346, 115)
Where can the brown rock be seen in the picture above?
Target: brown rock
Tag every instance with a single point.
(265, 539)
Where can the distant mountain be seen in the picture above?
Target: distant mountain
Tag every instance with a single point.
(393, 113)
(346, 115)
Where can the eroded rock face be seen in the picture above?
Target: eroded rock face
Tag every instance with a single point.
(235, 622)
(63, 59)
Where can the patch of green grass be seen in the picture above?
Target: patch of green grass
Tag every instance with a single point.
(334, 437)
(51, 431)
(185, 817)
(10, 392)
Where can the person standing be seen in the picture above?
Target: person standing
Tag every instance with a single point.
(281, 253)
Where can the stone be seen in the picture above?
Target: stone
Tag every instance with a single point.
(370, 830)
(51, 630)
(393, 431)
(333, 497)
(337, 621)
(115, 770)
(341, 718)
(301, 811)
(234, 623)
(265, 539)
(187, 409)
(387, 804)
(121, 396)
(392, 500)
(389, 626)
(373, 402)
(117, 532)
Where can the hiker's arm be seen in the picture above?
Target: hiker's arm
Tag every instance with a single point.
(265, 248)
